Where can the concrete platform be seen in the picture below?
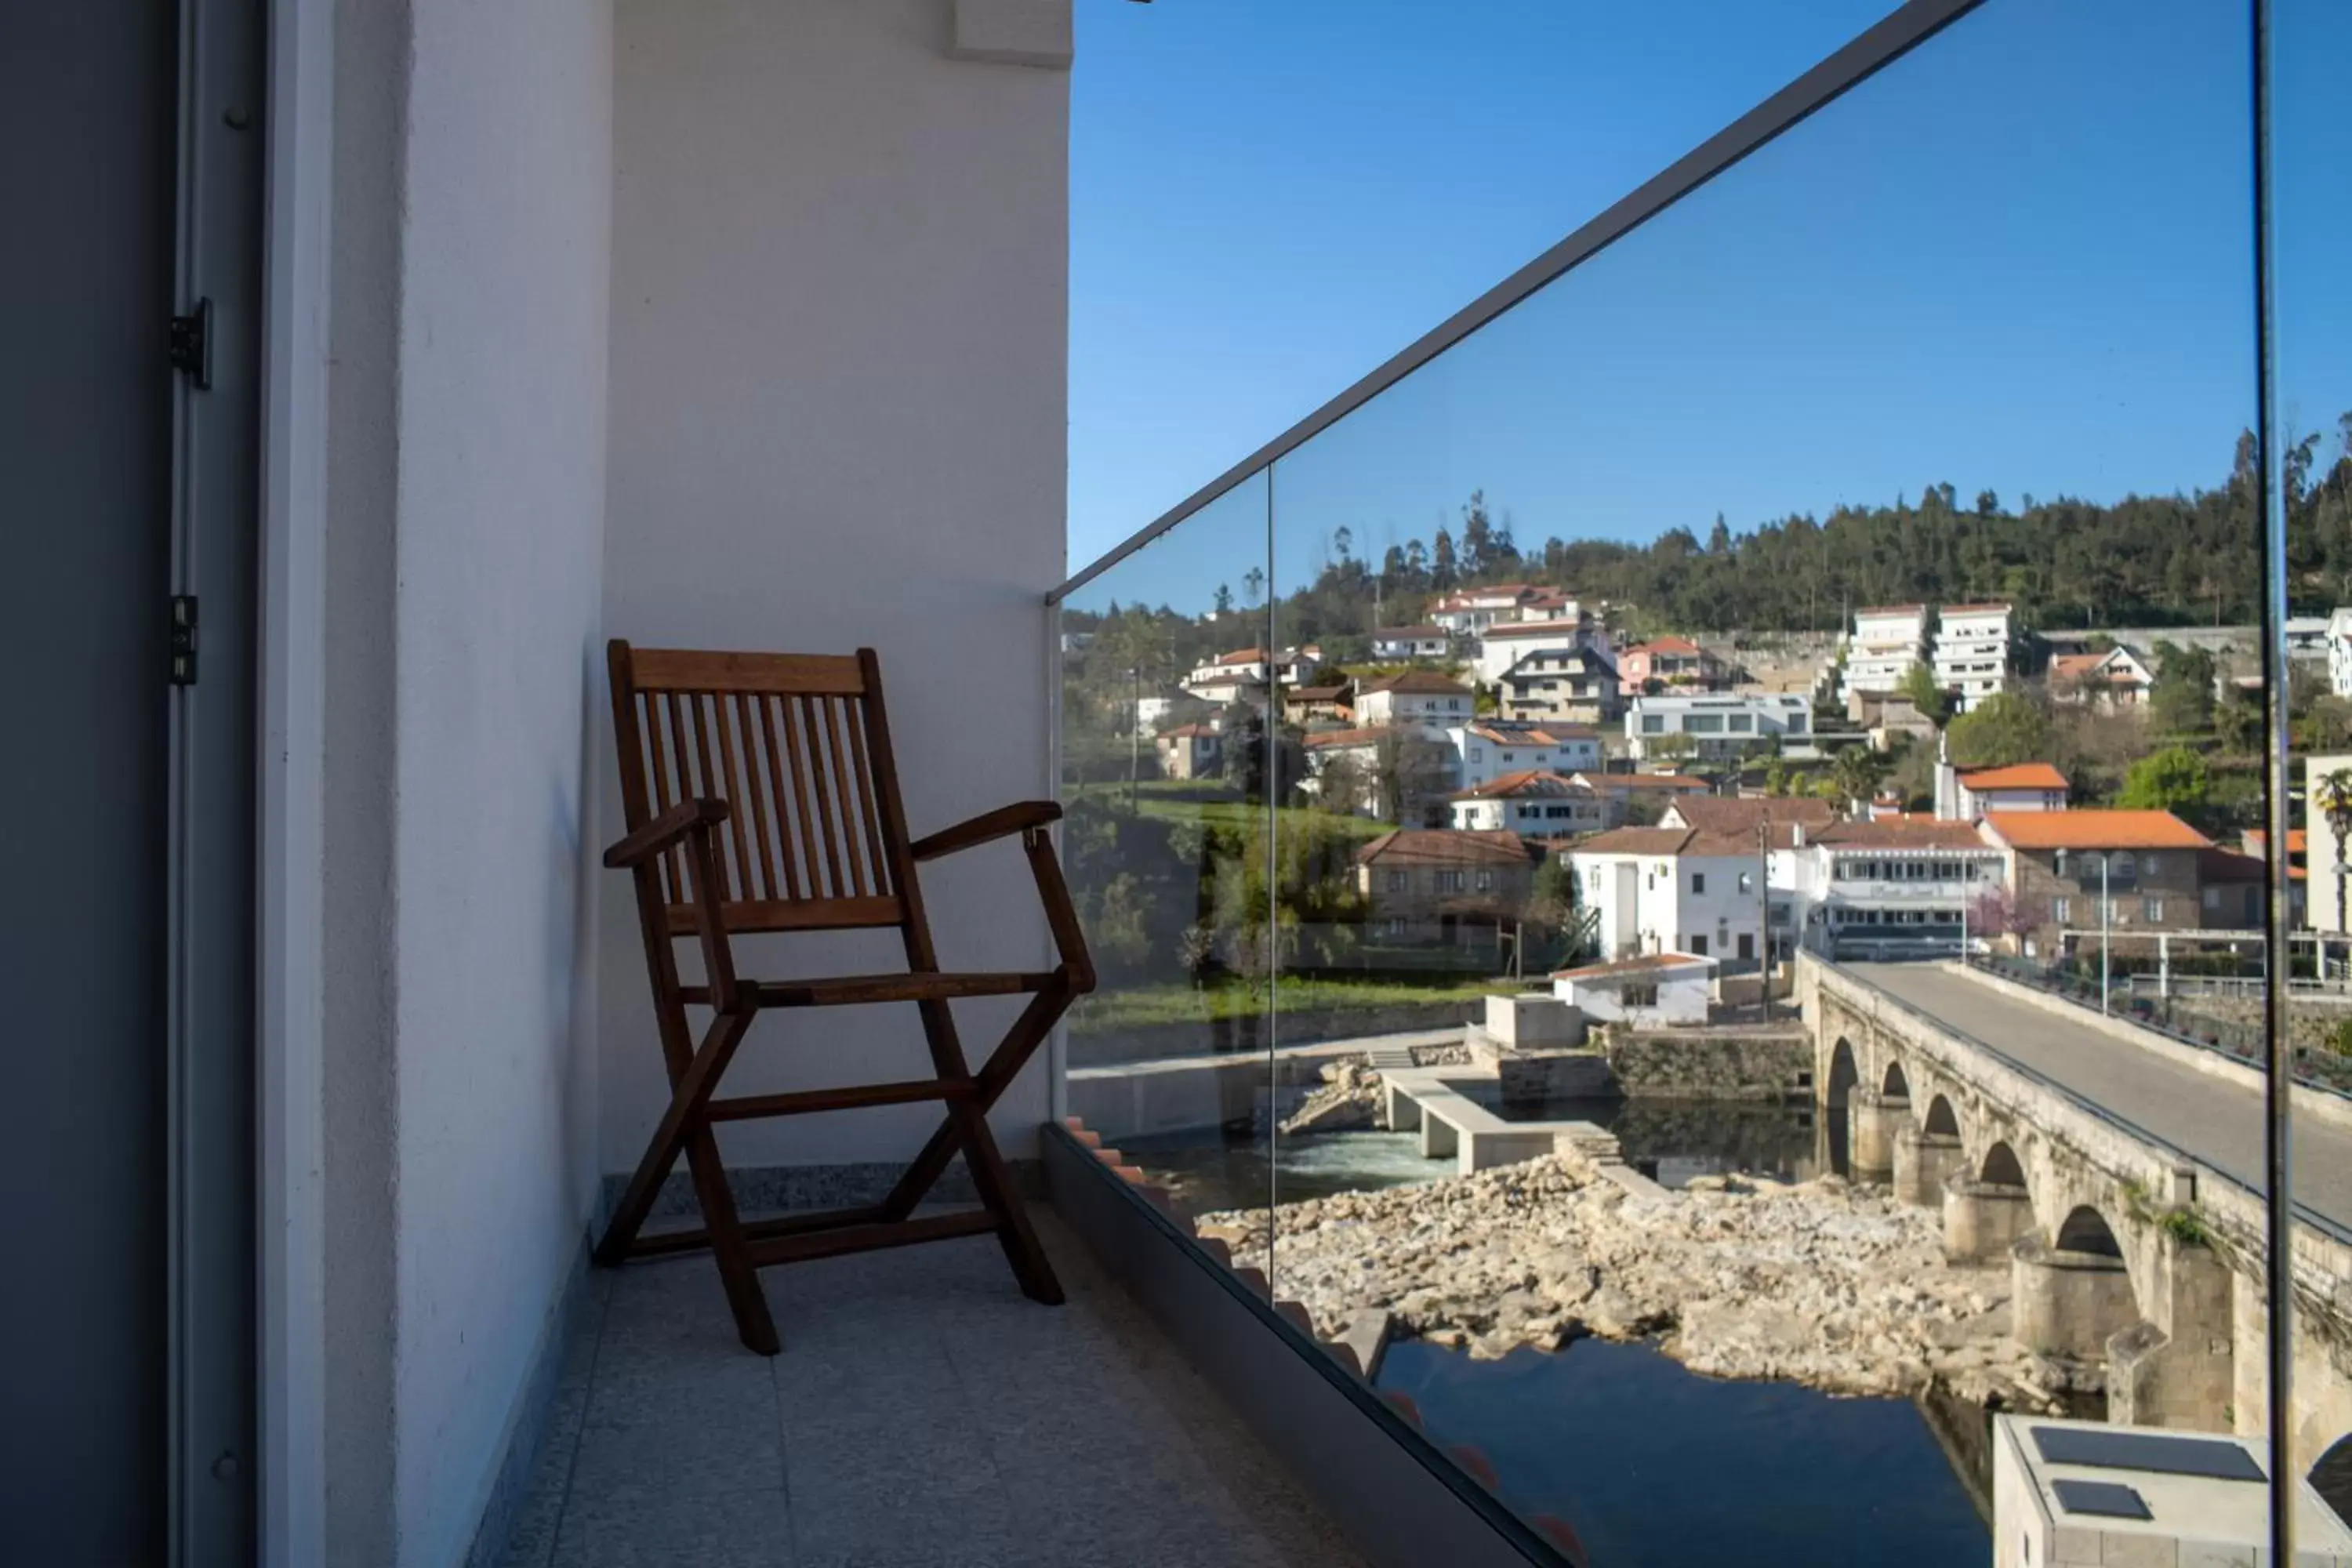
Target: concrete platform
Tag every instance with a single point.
(1452, 1123)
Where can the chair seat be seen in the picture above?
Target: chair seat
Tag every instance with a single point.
(851, 989)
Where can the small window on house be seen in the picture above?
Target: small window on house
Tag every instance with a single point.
(2062, 909)
(2152, 910)
(2147, 862)
(1639, 996)
(1698, 946)
(1397, 881)
(1478, 753)
(1449, 881)
(1698, 882)
(1396, 925)
(2213, 900)
(1746, 882)
(1485, 881)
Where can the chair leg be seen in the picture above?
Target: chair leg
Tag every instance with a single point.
(966, 1129)
(686, 1125)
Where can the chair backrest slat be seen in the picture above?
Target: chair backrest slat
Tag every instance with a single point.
(778, 798)
(786, 740)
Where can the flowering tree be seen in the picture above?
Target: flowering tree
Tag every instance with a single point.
(1997, 912)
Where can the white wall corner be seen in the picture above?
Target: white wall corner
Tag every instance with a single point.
(1014, 32)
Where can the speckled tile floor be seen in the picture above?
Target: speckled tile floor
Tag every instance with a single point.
(923, 1415)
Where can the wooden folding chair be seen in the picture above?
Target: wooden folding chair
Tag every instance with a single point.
(761, 795)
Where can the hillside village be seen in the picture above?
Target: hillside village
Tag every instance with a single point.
(1513, 758)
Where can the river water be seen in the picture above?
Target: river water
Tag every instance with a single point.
(1650, 1463)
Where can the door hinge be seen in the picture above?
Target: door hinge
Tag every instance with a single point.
(183, 639)
(192, 344)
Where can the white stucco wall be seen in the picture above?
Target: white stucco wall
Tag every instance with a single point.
(838, 419)
(464, 531)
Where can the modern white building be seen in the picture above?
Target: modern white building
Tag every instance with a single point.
(1886, 642)
(1534, 805)
(1891, 887)
(1662, 988)
(1972, 651)
(1492, 748)
(1718, 725)
(1504, 644)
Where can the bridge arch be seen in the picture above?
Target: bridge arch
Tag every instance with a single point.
(1896, 1085)
(2331, 1477)
(2085, 1229)
(1845, 1075)
(1941, 1118)
(2002, 1166)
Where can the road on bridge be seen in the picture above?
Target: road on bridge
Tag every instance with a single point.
(2218, 1121)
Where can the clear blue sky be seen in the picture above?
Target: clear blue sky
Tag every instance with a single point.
(2018, 259)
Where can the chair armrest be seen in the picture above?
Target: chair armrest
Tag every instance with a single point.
(1061, 914)
(663, 832)
(1002, 823)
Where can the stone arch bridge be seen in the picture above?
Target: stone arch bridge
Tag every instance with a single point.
(2126, 1248)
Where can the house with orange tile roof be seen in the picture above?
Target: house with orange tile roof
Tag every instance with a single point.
(2116, 679)
(1420, 696)
(1661, 662)
(1535, 804)
(2023, 786)
(2130, 874)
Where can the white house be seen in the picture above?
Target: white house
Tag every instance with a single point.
(1673, 890)
(1418, 696)
(1497, 746)
(1412, 642)
(2025, 786)
(1550, 604)
(2339, 650)
(1886, 642)
(1534, 805)
(1502, 645)
(1972, 650)
(1576, 685)
(1718, 725)
(1231, 675)
(1472, 610)
(2116, 679)
(1662, 988)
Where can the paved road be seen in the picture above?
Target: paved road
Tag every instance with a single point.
(2219, 1121)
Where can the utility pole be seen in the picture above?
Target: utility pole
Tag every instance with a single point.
(1764, 908)
(1135, 738)
(2103, 931)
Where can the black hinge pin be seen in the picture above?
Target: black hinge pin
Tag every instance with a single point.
(192, 344)
(183, 639)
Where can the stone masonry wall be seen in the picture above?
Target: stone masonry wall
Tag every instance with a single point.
(1690, 1064)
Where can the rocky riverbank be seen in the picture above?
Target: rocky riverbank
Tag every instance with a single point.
(1819, 1282)
(1349, 1098)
